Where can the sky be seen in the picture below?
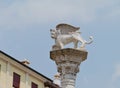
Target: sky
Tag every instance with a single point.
(25, 34)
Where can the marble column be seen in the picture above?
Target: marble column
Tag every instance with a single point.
(68, 61)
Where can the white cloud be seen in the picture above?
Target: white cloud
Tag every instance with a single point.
(116, 74)
(114, 81)
(24, 13)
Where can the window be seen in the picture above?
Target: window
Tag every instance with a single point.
(33, 85)
(16, 80)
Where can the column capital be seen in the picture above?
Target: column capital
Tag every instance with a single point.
(68, 61)
(78, 54)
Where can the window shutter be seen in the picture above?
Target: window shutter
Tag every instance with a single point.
(33, 85)
(16, 80)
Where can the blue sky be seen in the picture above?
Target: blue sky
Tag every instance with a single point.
(25, 34)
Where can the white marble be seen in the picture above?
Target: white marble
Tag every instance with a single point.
(68, 61)
(65, 34)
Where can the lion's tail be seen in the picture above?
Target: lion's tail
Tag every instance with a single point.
(90, 40)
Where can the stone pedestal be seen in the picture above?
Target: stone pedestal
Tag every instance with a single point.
(68, 61)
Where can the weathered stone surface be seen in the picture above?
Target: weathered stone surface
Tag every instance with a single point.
(69, 52)
(65, 34)
(68, 61)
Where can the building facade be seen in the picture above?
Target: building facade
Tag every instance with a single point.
(16, 74)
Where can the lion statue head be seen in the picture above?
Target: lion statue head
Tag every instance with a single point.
(54, 33)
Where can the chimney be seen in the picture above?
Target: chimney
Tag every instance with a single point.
(25, 62)
(57, 79)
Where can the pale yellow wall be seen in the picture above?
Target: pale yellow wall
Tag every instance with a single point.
(22, 76)
(26, 75)
(38, 82)
(2, 74)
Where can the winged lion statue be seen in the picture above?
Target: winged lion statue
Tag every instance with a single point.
(65, 34)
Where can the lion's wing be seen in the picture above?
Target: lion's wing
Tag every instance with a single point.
(66, 28)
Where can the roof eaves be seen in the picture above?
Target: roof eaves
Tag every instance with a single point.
(25, 65)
